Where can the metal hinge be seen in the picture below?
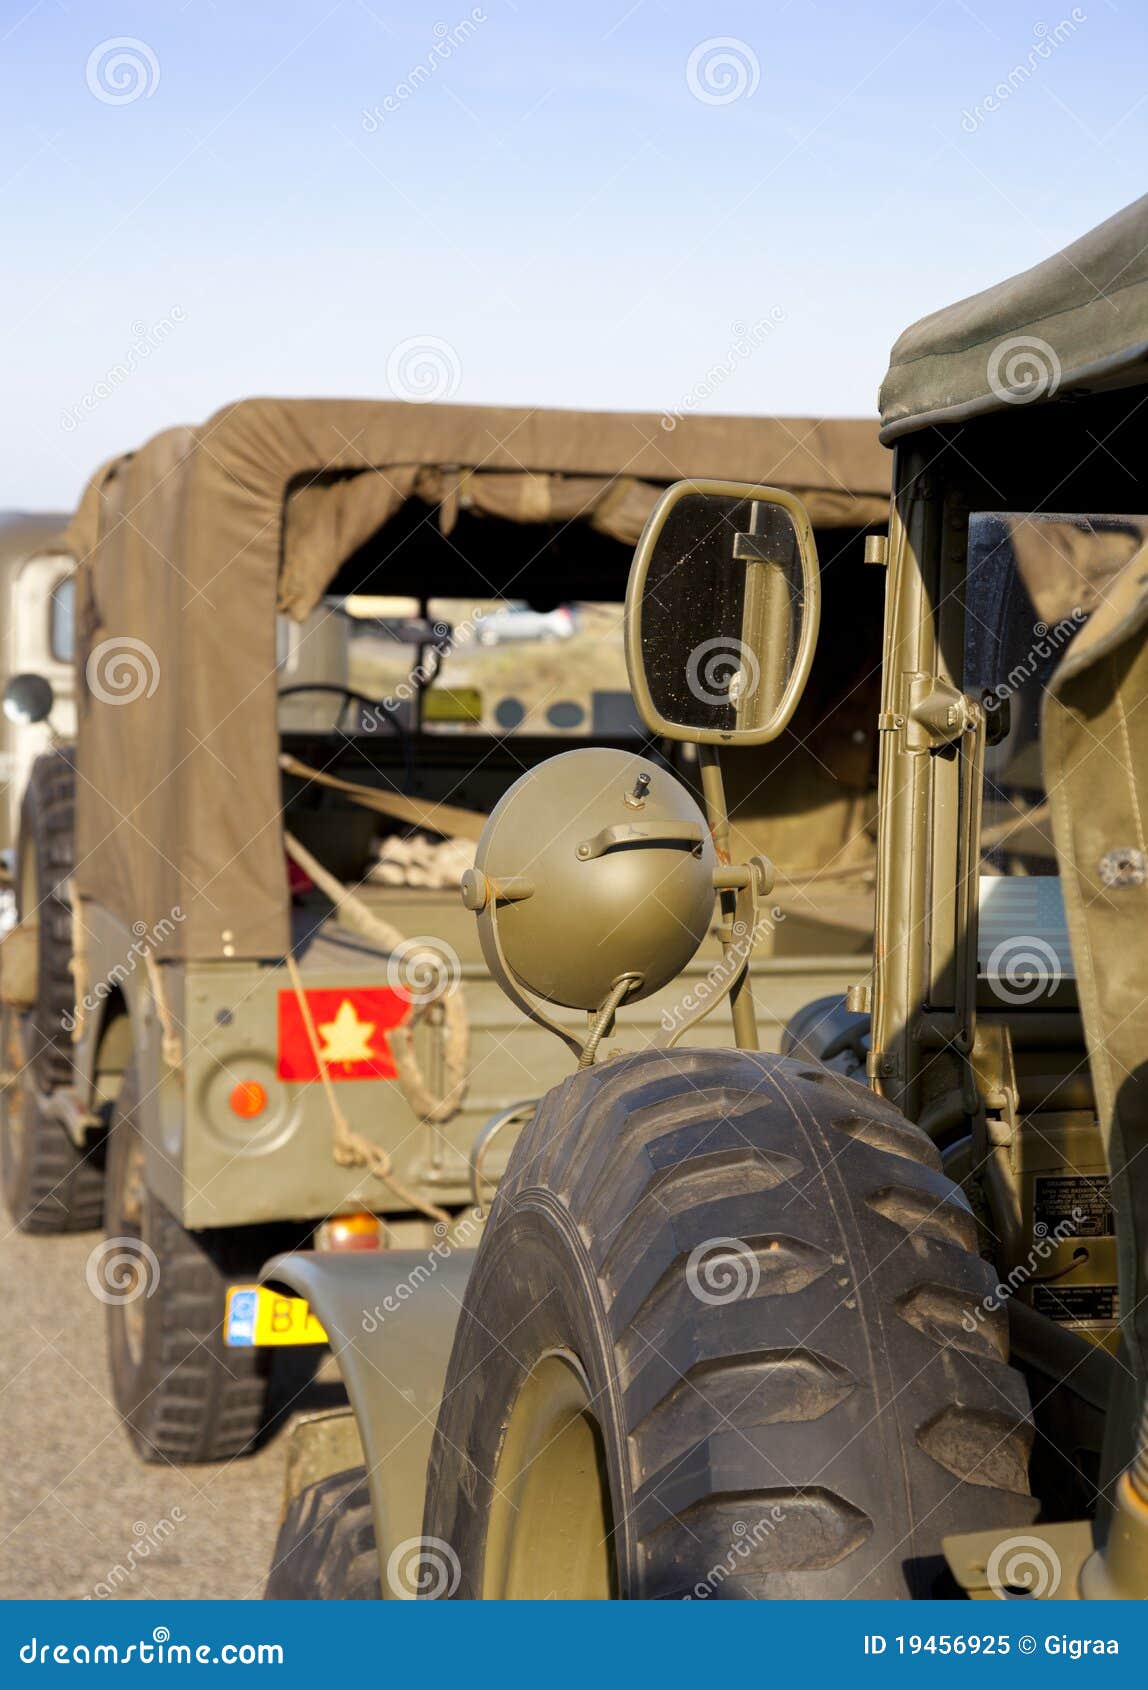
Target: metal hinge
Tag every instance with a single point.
(939, 713)
(877, 550)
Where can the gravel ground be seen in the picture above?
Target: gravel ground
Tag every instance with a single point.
(80, 1514)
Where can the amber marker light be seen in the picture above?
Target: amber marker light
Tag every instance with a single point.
(248, 1099)
(359, 1231)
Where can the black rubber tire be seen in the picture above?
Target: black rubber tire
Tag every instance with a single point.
(326, 1550)
(183, 1395)
(45, 860)
(843, 1391)
(50, 1185)
(825, 1031)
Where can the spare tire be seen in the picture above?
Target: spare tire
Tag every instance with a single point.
(51, 1184)
(45, 859)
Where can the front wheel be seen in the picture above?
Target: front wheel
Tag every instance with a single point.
(727, 1335)
(50, 1184)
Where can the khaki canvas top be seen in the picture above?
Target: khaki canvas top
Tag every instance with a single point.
(187, 547)
(1074, 323)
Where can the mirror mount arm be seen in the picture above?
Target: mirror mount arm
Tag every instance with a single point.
(717, 815)
(745, 883)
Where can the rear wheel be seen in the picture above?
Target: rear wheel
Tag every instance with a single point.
(727, 1335)
(326, 1545)
(183, 1394)
(51, 1185)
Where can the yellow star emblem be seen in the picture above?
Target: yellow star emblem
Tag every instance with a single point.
(346, 1038)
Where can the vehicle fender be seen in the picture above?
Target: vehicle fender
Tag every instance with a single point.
(390, 1317)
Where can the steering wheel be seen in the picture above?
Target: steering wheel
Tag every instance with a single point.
(349, 696)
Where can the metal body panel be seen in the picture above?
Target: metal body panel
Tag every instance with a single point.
(903, 786)
(999, 1566)
(211, 1168)
(390, 1316)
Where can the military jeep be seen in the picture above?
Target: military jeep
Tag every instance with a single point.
(270, 1022)
(742, 1324)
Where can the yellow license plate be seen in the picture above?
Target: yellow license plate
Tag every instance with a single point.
(255, 1316)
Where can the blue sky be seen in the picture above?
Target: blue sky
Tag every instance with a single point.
(288, 204)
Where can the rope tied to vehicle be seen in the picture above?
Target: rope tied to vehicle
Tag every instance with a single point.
(441, 1003)
(352, 1149)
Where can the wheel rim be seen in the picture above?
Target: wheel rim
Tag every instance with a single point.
(130, 1302)
(550, 1531)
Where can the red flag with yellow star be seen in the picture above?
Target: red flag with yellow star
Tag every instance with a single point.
(352, 1024)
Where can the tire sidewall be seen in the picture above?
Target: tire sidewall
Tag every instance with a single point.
(539, 1298)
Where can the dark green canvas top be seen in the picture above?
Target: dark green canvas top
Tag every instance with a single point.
(1076, 322)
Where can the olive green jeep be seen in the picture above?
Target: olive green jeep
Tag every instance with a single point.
(867, 1319)
(317, 642)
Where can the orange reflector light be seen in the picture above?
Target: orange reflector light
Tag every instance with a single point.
(351, 1232)
(248, 1099)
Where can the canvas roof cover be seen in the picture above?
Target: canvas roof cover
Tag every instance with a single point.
(187, 546)
(1077, 321)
